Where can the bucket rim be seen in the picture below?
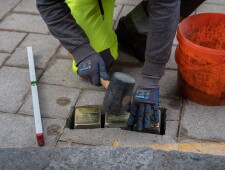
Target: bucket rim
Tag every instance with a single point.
(182, 39)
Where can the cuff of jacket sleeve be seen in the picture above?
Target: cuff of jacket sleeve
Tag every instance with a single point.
(154, 69)
(148, 82)
(82, 52)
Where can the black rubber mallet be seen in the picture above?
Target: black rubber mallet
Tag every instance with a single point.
(118, 93)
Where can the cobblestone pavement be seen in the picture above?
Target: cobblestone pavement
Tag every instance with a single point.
(22, 26)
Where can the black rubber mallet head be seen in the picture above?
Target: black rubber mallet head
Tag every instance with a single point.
(118, 93)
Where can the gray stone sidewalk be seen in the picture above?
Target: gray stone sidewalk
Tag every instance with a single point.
(60, 89)
(102, 158)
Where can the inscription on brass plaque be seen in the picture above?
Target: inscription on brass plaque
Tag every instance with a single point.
(112, 121)
(87, 117)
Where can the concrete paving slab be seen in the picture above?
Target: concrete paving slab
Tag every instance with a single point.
(128, 2)
(63, 54)
(189, 140)
(3, 58)
(55, 101)
(27, 6)
(167, 139)
(172, 63)
(90, 97)
(69, 144)
(173, 107)
(117, 9)
(172, 128)
(206, 8)
(14, 85)
(42, 52)
(11, 40)
(168, 85)
(105, 136)
(203, 122)
(216, 2)
(125, 10)
(175, 41)
(131, 138)
(7, 6)
(19, 131)
(24, 23)
(60, 73)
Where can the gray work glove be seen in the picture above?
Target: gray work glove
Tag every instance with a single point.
(92, 68)
(146, 100)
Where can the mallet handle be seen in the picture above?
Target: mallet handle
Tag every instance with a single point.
(105, 83)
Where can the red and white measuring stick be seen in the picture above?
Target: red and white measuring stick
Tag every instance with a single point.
(37, 114)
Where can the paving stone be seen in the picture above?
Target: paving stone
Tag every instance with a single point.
(206, 8)
(117, 9)
(28, 6)
(69, 144)
(60, 73)
(89, 97)
(188, 140)
(42, 53)
(216, 2)
(3, 58)
(24, 22)
(173, 107)
(7, 6)
(14, 84)
(130, 138)
(63, 54)
(167, 139)
(64, 76)
(203, 122)
(175, 41)
(19, 131)
(55, 101)
(125, 10)
(172, 63)
(171, 128)
(168, 85)
(91, 136)
(128, 2)
(10, 40)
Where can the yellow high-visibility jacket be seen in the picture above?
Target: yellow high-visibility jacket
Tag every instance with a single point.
(98, 28)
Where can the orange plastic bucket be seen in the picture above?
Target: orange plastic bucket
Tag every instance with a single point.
(200, 56)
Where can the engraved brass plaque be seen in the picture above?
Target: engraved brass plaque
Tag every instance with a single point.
(112, 121)
(87, 117)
